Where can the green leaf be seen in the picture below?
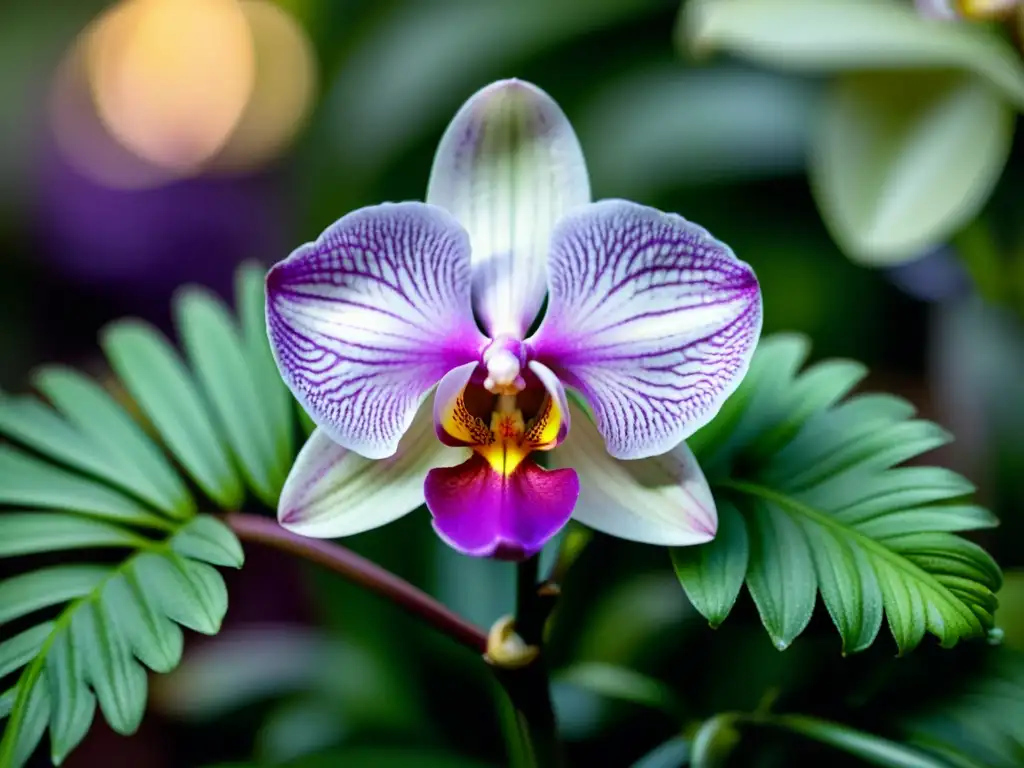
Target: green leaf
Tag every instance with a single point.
(31, 713)
(902, 161)
(780, 575)
(713, 573)
(28, 592)
(111, 616)
(220, 365)
(96, 437)
(277, 406)
(27, 533)
(72, 701)
(209, 540)
(101, 481)
(622, 683)
(826, 509)
(674, 753)
(838, 35)
(22, 648)
(159, 382)
(119, 681)
(34, 482)
(138, 465)
(714, 741)
(7, 702)
(870, 748)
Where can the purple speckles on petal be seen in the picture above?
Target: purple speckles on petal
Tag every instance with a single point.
(651, 318)
(366, 319)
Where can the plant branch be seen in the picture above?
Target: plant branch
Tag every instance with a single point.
(527, 683)
(360, 571)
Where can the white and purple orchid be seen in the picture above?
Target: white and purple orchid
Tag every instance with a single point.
(649, 319)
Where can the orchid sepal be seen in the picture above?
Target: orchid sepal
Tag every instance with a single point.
(508, 167)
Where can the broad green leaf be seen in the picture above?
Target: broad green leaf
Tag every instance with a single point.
(812, 453)
(87, 654)
(780, 575)
(207, 539)
(189, 593)
(115, 676)
(848, 586)
(30, 481)
(73, 704)
(827, 509)
(22, 648)
(902, 161)
(713, 573)
(674, 753)
(29, 716)
(31, 423)
(839, 35)
(219, 364)
(622, 683)
(870, 748)
(818, 388)
(276, 404)
(26, 533)
(157, 640)
(759, 402)
(7, 702)
(140, 466)
(159, 382)
(28, 592)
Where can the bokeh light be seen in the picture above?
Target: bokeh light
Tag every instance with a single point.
(171, 78)
(158, 90)
(282, 93)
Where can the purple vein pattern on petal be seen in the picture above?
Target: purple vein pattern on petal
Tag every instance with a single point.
(508, 167)
(651, 318)
(366, 319)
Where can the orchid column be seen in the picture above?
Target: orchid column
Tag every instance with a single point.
(649, 319)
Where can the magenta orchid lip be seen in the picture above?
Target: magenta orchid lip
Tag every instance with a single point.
(649, 319)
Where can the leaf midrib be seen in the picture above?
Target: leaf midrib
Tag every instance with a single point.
(873, 547)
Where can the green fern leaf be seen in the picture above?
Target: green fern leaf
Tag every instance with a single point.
(826, 510)
(83, 473)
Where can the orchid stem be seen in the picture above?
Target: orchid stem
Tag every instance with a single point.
(360, 571)
(529, 686)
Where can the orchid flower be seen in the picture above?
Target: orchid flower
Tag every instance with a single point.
(649, 320)
(981, 10)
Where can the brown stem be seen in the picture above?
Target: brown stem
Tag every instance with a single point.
(360, 571)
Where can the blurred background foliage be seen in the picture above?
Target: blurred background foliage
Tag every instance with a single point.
(861, 158)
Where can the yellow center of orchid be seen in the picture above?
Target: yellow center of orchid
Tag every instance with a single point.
(510, 438)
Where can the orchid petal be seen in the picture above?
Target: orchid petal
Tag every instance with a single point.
(662, 500)
(453, 423)
(332, 491)
(485, 513)
(551, 425)
(651, 319)
(364, 321)
(508, 167)
(937, 9)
